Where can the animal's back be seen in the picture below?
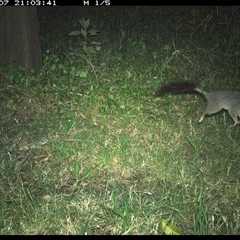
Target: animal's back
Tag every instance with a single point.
(223, 99)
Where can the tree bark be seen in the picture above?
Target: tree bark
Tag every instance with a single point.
(19, 37)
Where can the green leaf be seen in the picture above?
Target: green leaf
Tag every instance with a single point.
(53, 67)
(76, 168)
(119, 213)
(91, 49)
(98, 48)
(93, 32)
(84, 33)
(95, 43)
(74, 33)
(31, 70)
(193, 144)
(84, 24)
(10, 104)
(73, 88)
(84, 74)
(128, 74)
(86, 173)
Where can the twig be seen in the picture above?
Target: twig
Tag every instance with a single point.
(199, 25)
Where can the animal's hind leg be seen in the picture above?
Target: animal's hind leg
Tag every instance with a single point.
(235, 119)
(211, 109)
(202, 117)
(235, 123)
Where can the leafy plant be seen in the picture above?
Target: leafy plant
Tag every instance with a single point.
(200, 219)
(87, 45)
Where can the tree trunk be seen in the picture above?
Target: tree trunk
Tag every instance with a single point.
(19, 37)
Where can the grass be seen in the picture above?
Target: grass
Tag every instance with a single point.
(86, 148)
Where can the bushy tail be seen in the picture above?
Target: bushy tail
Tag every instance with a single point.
(178, 88)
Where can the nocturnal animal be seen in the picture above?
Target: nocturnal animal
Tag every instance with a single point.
(216, 100)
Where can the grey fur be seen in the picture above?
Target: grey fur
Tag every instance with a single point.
(216, 101)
